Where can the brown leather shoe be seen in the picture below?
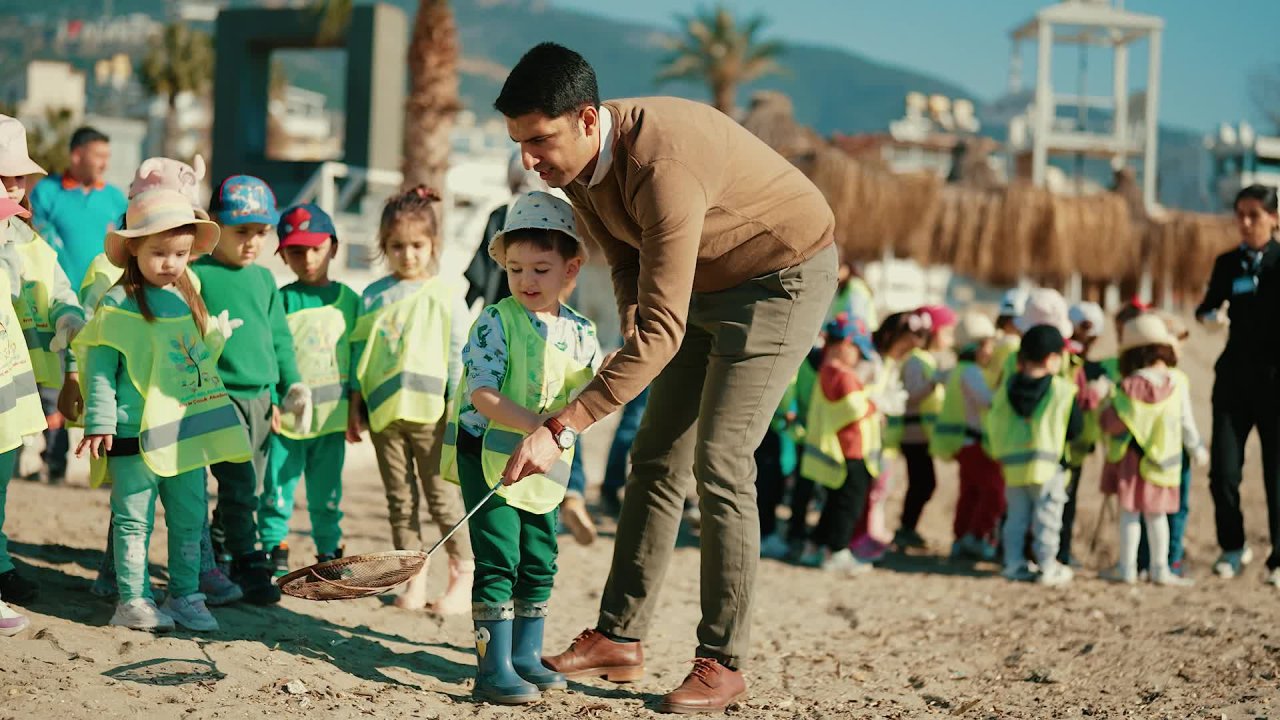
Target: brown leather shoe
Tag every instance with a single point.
(592, 654)
(710, 687)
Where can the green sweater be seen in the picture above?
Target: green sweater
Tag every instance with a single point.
(259, 356)
(298, 296)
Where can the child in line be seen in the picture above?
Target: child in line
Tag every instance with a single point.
(257, 366)
(23, 417)
(156, 410)
(1008, 335)
(1088, 323)
(48, 309)
(775, 465)
(321, 314)
(897, 336)
(958, 435)
(101, 276)
(803, 489)
(407, 355)
(1148, 424)
(1177, 520)
(1032, 418)
(525, 358)
(925, 389)
(842, 444)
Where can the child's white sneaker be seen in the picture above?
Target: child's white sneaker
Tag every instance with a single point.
(1055, 574)
(1273, 577)
(1018, 573)
(12, 622)
(1167, 578)
(1230, 563)
(844, 561)
(774, 547)
(1128, 576)
(141, 614)
(191, 613)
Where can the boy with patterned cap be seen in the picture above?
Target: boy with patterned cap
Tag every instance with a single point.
(257, 366)
(321, 314)
(527, 356)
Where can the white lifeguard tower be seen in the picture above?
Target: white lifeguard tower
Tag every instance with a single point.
(1041, 132)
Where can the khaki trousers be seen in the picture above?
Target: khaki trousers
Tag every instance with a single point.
(409, 460)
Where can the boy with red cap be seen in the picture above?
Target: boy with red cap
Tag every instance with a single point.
(321, 314)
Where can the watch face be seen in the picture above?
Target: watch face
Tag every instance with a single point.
(566, 439)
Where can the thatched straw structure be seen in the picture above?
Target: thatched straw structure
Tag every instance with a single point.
(999, 235)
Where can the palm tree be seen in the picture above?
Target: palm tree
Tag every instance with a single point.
(178, 60)
(720, 52)
(433, 102)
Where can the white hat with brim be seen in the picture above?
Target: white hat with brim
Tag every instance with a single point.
(157, 211)
(1147, 329)
(15, 161)
(973, 328)
(1046, 306)
(536, 210)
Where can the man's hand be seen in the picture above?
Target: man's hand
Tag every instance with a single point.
(70, 404)
(535, 455)
(99, 446)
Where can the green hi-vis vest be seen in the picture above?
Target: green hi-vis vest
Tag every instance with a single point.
(1156, 428)
(999, 369)
(540, 378)
(322, 347)
(952, 430)
(1030, 450)
(20, 411)
(39, 262)
(823, 461)
(188, 422)
(405, 363)
(926, 413)
(102, 276)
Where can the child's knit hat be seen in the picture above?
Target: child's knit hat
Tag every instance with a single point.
(163, 172)
(244, 199)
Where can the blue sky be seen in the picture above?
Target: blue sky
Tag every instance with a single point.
(1210, 46)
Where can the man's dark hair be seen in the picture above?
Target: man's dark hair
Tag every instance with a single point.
(550, 79)
(85, 135)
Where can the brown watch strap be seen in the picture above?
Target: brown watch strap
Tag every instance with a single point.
(555, 426)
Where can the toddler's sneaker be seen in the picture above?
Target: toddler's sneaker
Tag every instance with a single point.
(774, 547)
(843, 561)
(1055, 574)
(141, 614)
(907, 539)
(1230, 563)
(190, 612)
(1273, 577)
(1168, 578)
(218, 589)
(326, 557)
(12, 622)
(1019, 573)
(868, 549)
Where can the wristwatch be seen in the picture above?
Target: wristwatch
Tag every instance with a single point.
(565, 437)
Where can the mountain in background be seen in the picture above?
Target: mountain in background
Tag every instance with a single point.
(832, 90)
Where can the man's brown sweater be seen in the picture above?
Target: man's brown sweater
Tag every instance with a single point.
(692, 202)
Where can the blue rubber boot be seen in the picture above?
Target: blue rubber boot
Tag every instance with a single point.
(496, 679)
(526, 647)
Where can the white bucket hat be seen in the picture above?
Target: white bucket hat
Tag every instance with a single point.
(1147, 329)
(536, 210)
(1046, 306)
(155, 211)
(973, 328)
(15, 161)
(1089, 312)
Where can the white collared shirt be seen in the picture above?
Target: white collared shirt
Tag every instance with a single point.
(605, 159)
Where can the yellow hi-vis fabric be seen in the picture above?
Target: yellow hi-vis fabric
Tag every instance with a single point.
(321, 344)
(823, 461)
(1029, 450)
(1156, 428)
(20, 411)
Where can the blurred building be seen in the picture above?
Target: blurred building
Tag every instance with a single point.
(1241, 157)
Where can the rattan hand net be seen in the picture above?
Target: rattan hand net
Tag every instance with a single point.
(353, 577)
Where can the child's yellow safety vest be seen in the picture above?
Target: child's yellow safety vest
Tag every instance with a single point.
(1029, 450)
(38, 268)
(321, 344)
(926, 413)
(823, 461)
(20, 412)
(952, 430)
(405, 363)
(541, 378)
(188, 421)
(1156, 428)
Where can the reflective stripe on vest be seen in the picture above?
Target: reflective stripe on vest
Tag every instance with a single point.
(558, 378)
(1029, 450)
(1156, 428)
(405, 362)
(188, 422)
(823, 461)
(20, 411)
(952, 431)
(38, 267)
(322, 346)
(926, 411)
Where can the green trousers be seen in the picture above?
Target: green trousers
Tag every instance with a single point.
(134, 489)
(319, 460)
(515, 550)
(7, 461)
(240, 484)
